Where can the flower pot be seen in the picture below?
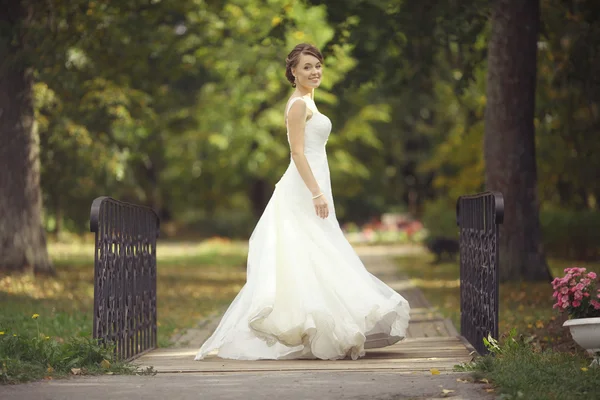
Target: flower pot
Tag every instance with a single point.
(586, 333)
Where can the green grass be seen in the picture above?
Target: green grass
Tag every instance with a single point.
(520, 371)
(523, 305)
(193, 281)
(29, 357)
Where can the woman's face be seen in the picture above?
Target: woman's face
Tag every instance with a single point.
(309, 71)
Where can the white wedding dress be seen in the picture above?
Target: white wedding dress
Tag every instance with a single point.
(307, 294)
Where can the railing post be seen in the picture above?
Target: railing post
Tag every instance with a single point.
(479, 217)
(124, 276)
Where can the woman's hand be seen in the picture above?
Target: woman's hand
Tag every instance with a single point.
(321, 206)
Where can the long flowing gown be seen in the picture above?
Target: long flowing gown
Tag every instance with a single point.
(307, 293)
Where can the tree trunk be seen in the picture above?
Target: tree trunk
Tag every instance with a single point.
(22, 237)
(509, 137)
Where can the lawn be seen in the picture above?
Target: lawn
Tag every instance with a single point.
(194, 280)
(525, 306)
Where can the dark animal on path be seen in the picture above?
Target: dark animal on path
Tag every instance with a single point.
(443, 245)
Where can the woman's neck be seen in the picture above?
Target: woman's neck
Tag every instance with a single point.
(304, 91)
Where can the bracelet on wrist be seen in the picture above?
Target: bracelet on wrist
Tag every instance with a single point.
(317, 196)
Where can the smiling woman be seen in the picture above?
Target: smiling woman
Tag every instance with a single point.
(307, 293)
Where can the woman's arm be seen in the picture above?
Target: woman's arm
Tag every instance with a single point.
(296, 124)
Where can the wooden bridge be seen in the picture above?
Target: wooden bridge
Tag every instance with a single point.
(432, 341)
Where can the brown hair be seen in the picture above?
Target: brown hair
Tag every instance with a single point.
(292, 59)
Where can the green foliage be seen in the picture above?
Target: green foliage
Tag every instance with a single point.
(566, 234)
(179, 104)
(237, 224)
(568, 100)
(439, 218)
(519, 370)
(571, 234)
(26, 356)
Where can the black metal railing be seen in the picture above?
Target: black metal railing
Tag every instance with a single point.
(124, 276)
(479, 217)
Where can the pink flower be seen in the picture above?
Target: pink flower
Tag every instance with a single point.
(586, 281)
(571, 290)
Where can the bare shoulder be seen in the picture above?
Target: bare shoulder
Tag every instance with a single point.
(297, 103)
(296, 108)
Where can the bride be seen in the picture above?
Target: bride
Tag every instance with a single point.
(307, 294)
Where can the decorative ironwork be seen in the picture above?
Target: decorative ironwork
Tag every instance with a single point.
(124, 276)
(479, 217)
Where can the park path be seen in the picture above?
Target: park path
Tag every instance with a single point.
(432, 341)
(401, 371)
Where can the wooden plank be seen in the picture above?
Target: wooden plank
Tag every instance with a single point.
(409, 355)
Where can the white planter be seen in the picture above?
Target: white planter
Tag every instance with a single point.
(586, 333)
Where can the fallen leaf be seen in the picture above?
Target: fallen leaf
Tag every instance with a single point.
(490, 390)
(109, 373)
(76, 371)
(434, 371)
(462, 380)
(539, 324)
(483, 380)
(105, 364)
(446, 392)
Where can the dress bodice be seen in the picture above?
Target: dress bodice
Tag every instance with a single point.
(317, 128)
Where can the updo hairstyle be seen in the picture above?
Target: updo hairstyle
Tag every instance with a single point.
(294, 57)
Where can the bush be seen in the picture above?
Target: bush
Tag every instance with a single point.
(566, 234)
(571, 234)
(439, 218)
(233, 224)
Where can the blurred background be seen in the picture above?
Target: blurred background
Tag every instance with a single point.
(178, 105)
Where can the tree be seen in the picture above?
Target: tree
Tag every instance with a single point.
(22, 238)
(509, 146)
